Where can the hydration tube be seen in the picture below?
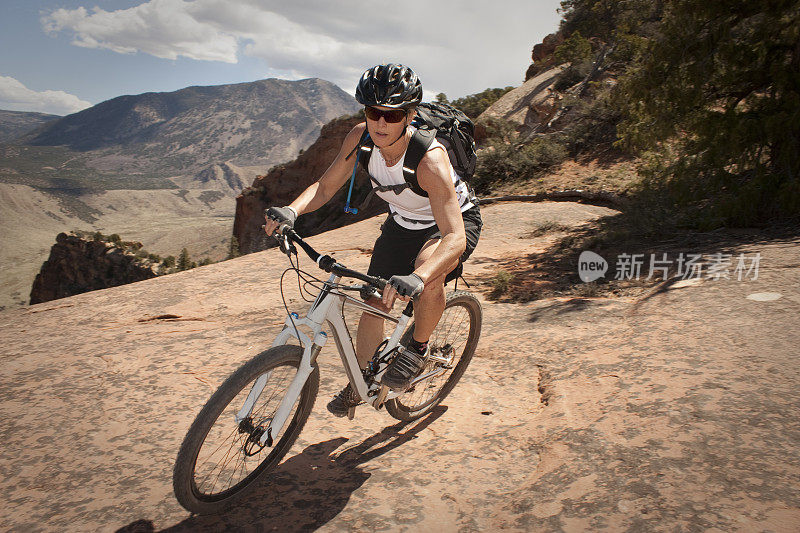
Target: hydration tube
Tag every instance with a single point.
(347, 208)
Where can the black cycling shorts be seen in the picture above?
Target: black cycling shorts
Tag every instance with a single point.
(397, 247)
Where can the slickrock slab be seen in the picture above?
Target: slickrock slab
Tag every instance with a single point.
(674, 412)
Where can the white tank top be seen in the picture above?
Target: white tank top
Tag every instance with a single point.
(408, 204)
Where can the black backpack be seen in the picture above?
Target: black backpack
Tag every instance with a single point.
(439, 121)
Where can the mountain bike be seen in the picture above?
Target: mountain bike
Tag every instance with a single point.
(255, 416)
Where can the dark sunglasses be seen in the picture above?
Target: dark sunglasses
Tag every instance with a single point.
(391, 116)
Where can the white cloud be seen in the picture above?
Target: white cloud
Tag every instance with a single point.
(163, 28)
(14, 96)
(459, 46)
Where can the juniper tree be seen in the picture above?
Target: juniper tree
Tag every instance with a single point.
(184, 262)
(719, 83)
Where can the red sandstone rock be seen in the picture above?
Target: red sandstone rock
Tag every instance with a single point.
(77, 265)
(542, 54)
(284, 182)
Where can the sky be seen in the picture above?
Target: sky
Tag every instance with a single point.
(61, 56)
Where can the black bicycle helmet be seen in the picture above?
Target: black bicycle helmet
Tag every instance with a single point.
(389, 86)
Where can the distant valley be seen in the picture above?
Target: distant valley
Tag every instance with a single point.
(160, 168)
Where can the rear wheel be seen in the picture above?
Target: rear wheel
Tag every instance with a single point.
(220, 459)
(451, 347)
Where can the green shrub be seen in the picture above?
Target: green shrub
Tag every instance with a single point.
(575, 49)
(570, 76)
(594, 122)
(497, 129)
(500, 283)
(507, 163)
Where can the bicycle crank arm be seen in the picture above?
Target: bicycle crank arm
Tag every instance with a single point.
(429, 375)
(443, 360)
(380, 398)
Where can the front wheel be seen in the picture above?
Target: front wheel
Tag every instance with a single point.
(221, 458)
(451, 347)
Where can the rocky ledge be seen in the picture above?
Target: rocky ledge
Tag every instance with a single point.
(79, 263)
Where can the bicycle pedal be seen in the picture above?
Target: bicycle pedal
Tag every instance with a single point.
(351, 413)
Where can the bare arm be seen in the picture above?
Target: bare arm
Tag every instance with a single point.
(433, 175)
(319, 192)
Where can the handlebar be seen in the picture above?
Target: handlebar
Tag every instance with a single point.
(325, 262)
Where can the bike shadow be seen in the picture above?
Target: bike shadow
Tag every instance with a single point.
(307, 490)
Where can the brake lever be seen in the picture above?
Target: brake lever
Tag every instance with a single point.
(286, 246)
(368, 291)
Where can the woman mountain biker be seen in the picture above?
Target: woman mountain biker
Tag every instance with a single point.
(423, 241)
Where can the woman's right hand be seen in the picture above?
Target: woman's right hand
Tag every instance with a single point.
(275, 216)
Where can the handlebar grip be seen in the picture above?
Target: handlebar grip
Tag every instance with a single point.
(326, 262)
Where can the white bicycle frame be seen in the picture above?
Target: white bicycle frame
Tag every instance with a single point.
(325, 309)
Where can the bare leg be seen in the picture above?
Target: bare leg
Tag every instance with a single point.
(370, 334)
(431, 302)
(427, 312)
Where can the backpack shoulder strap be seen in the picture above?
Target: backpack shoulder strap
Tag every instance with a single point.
(363, 151)
(417, 147)
(364, 147)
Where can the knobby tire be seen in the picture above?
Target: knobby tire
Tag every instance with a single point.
(198, 492)
(460, 326)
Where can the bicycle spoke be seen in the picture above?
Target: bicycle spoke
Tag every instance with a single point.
(453, 330)
(231, 435)
(225, 460)
(227, 464)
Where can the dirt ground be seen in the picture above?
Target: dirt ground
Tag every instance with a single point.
(674, 410)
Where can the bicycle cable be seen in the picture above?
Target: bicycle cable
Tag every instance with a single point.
(296, 268)
(286, 307)
(307, 278)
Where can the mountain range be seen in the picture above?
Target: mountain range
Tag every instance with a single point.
(150, 137)
(160, 168)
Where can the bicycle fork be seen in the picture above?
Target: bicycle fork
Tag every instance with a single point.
(290, 398)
